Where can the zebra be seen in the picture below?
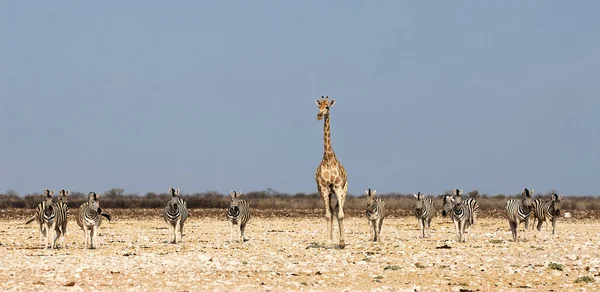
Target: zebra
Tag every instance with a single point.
(545, 211)
(463, 213)
(89, 218)
(175, 214)
(518, 211)
(375, 214)
(39, 214)
(424, 211)
(61, 217)
(238, 213)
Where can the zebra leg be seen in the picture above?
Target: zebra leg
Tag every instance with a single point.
(230, 231)
(177, 227)
(94, 236)
(171, 231)
(57, 233)
(553, 224)
(548, 227)
(513, 229)
(422, 225)
(42, 235)
(527, 229)
(457, 230)
(241, 237)
(85, 237)
(64, 233)
(48, 238)
(380, 224)
(242, 228)
(428, 227)
(540, 223)
(371, 230)
(376, 223)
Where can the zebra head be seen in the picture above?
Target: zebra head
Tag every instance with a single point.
(324, 105)
(527, 198)
(448, 205)
(555, 204)
(94, 202)
(419, 205)
(174, 196)
(63, 196)
(234, 203)
(370, 200)
(48, 194)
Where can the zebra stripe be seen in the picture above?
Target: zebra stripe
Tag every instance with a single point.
(519, 210)
(238, 214)
(375, 214)
(424, 211)
(175, 214)
(89, 218)
(546, 210)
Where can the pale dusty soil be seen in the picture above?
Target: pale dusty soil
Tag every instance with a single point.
(284, 254)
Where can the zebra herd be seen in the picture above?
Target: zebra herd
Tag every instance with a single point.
(52, 217)
(464, 212)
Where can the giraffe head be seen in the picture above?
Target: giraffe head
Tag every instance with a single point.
(324, 104)
(63, 196)
(527, 198)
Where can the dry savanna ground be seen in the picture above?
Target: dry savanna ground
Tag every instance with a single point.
(290, 253)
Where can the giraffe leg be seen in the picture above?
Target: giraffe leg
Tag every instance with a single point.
(326, 194)
(341, 197)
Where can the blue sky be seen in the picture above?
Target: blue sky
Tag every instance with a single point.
(219, 95)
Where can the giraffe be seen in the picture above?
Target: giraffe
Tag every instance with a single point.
(331, 176)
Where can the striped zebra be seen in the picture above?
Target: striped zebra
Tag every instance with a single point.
(546, 210)
(519, 210)
(175, 214)
(463, 213)
(89, 218)
(39, 214)
(424, 211)
(61, 217)
(375, 214)
(238, 214)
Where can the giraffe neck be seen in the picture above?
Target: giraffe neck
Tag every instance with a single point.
(327, 140)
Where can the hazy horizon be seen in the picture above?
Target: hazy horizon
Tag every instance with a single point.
(144, 96)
